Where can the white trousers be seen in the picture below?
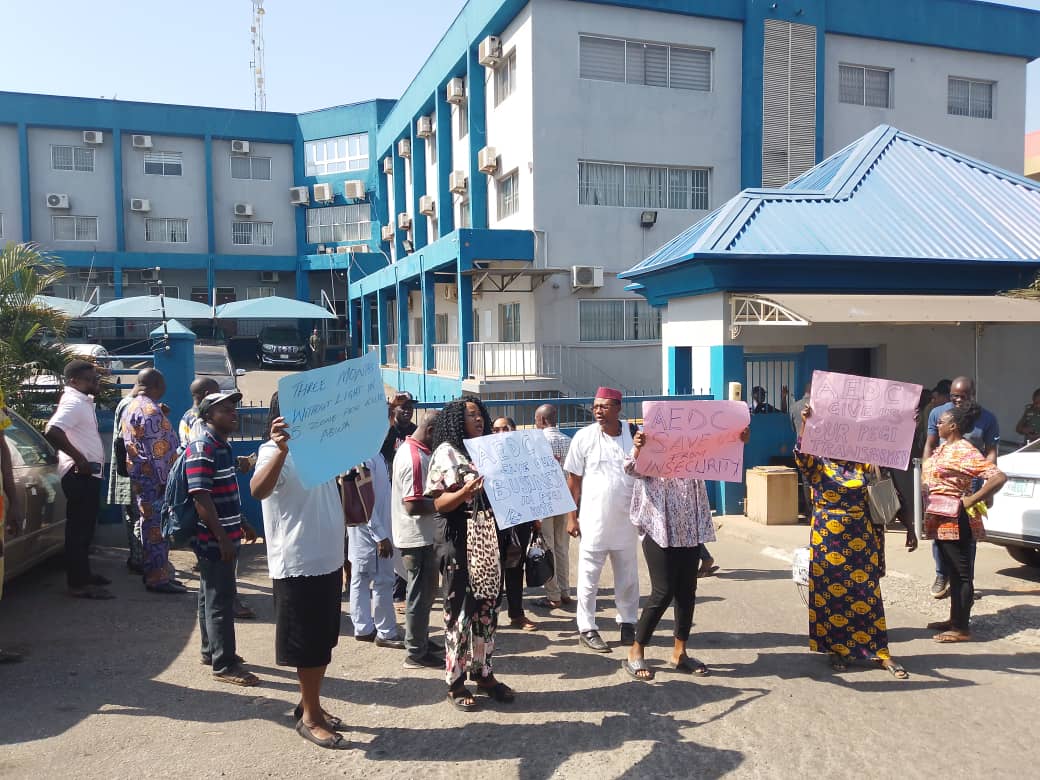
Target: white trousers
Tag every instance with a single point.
(625, 564)
(372, 599)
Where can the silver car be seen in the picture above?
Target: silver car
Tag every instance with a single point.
(214, 362)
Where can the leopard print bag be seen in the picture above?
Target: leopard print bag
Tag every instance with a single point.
(482, 554)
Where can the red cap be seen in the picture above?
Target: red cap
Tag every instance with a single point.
(609, 393)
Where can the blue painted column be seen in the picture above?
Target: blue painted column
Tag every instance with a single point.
(400, 202)
(117, 278)
(727, 365)
(680, 371)
(381, 322)
(445, 204)
(477, 104)
(419, 232)
(814, 358)
(429, 318)
(303, 283)
(402, 325)
(176, 359)
(23, 169)
(366, 326)
(117, 172)
(465, 283)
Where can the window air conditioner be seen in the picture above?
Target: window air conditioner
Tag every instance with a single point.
(388, 166)
(268, 276)
(243, 209)
(487, 160)
(323, 192)
(240, 147)
(388, 232)
(140, 204)
(427, 206)
(57, 200)
(93, 137)
(354, 189)
(404, 221)
(489, 53)
(424, 127)
(299, 196)
(456, 91)
(457, 181)
(586, 276)
(404, 147)
(149, 275)
(357, 249)
(342, 250)
(141, 141)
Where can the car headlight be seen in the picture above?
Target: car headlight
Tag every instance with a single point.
(267, 347)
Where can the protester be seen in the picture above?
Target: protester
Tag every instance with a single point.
(1028, 425)
(303, 527)
(210, 468)
(401, 411)
(372, 569)
(503, 425)
(846, 611)
(470, 620)
(794, 411)
(119, 493)
(12, 509)
(673, 518)
(951, 471)
(191, 427)
(602, 491)
(554, 529)
(759, 404)
(417, 529)
(317, 346)
(73, 431)
(151, 448)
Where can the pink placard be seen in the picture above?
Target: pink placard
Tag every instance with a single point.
(699, 439)
(861, 419)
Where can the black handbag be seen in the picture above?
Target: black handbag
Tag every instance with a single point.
(540, 565)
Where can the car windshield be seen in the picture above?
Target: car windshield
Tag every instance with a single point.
(210, 364)
(281, 336)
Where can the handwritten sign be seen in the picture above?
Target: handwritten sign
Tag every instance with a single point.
(861, 419)
(337, 417)
(697, 439)
(522, 478)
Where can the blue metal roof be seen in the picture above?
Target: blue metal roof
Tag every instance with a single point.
(889, 195)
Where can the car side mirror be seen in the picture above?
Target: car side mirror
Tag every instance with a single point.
(240, 372)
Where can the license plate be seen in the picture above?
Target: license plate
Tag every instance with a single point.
(284, 357)
(1019, 488)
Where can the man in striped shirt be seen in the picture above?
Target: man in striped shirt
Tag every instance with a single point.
(212, 482)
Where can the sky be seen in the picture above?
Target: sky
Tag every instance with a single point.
(318, 53)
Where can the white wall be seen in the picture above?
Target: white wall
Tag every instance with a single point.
(432, 166)
(459, 158)
(10, 186)
(270, 199)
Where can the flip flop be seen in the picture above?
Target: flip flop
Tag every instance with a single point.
(838, 663)
(635, 667)
(546, 603)
(689, 665)
(237, 676)
(462, 699)
(895, 669)
(940, 625)
(93, 593)
(948, 637)
(500, 692)
(335, 742)
(710, 571)
(334, 723)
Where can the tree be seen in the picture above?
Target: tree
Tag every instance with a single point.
(1031, 292)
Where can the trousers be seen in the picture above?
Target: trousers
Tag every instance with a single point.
(217, 590)
(673, 577)
(82, 501)
(625, 564)
(372, 598)
(554, 529)
(958, 555)
(513, 577)
(421, 572)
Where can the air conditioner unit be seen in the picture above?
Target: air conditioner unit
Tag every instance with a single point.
(57, 201)
(342, 250)
(424, 127)
(388, 165)
(149, 275)
(456, 91)
(240, 147)
(141, 141)
(354, 189)
(457, 181)
(586, 276)
(323, 192)
(404, 221)
(404, 147)
(487, 160)
(388, 232)
(93, 137)
(357, 249)
(268, 276)
(299, 196)
(243, 209)
(489, 52)
(451, 293)
(88, 276)
(140, 204)
(427, 206)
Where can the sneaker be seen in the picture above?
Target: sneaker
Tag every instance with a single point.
(428, 661)
(941, 587)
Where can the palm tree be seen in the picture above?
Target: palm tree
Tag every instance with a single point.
(25, 273)
(1032, 291)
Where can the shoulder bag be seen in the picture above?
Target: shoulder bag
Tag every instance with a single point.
(357, 495)
(882, 498)
(482, 551)
(539, 567)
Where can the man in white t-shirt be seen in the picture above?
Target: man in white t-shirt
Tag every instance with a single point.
(602, 492)
(417, 529)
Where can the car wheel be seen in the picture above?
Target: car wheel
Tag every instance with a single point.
(1030, 556)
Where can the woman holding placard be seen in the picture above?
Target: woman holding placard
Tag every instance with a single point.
(846, 613)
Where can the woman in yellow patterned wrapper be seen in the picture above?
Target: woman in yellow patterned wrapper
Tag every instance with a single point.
(10, 506)
(846, 612)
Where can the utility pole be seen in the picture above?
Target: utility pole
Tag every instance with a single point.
(257, 65)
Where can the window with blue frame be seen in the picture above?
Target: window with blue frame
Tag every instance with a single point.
(337, 224)
(336, 155)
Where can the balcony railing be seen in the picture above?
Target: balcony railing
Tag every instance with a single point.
(391, 355)
(415, 357)
(446, 359)
(501, 359)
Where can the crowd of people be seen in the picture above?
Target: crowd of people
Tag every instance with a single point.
(427, 521)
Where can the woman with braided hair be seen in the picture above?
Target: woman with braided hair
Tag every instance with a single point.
(470, 603)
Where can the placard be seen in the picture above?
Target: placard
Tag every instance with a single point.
(337, 417)
(522, 477)
(694, 439)
(861, 419)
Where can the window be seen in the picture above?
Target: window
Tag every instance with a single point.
(648, 64)
(252, 233)
(642, 186)
(865, 86)
(162, 163)
(336, 155)
(463, 221)
(508, 196)
(200, 294)
(463, 115)
(225, 295)
(505, 77)
(259, 292)
(72, 158)
(335, 224)
(165, 290)
(166, 230)
(258, 168)
(441, 328)
(509, 322)
(618, 320)
(476, 325)
(431, 149)
(970, 98)
(74, 228)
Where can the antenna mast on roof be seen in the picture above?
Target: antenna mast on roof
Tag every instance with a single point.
(257, 65)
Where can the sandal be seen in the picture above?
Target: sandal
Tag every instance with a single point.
(500, 692)
(638, 670)
(92, 592)
(523, 624)
(236, 675)
(335, 742)
(689, 665)
(895, 669)
(565, 600)
(940, 625)
(334, 723)
(838, 663)
(462, 698)
(707, 571)
(948, 637)
(243, 612)
(546, 603)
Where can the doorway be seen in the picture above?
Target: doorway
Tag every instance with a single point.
(851, 360)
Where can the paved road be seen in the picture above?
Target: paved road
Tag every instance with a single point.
(115, 689)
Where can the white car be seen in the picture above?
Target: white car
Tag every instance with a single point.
(95, 353)
(1014, 519)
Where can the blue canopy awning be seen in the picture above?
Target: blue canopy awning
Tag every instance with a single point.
(148, 307)
(70, 307)
(272, 308)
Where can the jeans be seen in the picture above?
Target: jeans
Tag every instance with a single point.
(82, 501)
(673, 576)
(420, 564)
(372, 598)
(217, 591)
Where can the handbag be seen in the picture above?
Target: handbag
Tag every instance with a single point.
(482, 552)
(944, 506)
(513, 554)
(357, 495)
(882, 498)
(800, 566)
(540, 565)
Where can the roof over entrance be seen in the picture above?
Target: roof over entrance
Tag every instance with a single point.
(888, 197)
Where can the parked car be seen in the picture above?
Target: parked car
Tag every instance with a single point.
(41, 533)
(213, 361)
(281, 346)
(1014, 519)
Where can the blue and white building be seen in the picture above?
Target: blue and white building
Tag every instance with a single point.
(472, 230)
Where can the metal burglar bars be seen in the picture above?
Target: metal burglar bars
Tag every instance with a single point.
(774, 373)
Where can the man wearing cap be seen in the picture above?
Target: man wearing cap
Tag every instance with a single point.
(603, 493)
(402, 410)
